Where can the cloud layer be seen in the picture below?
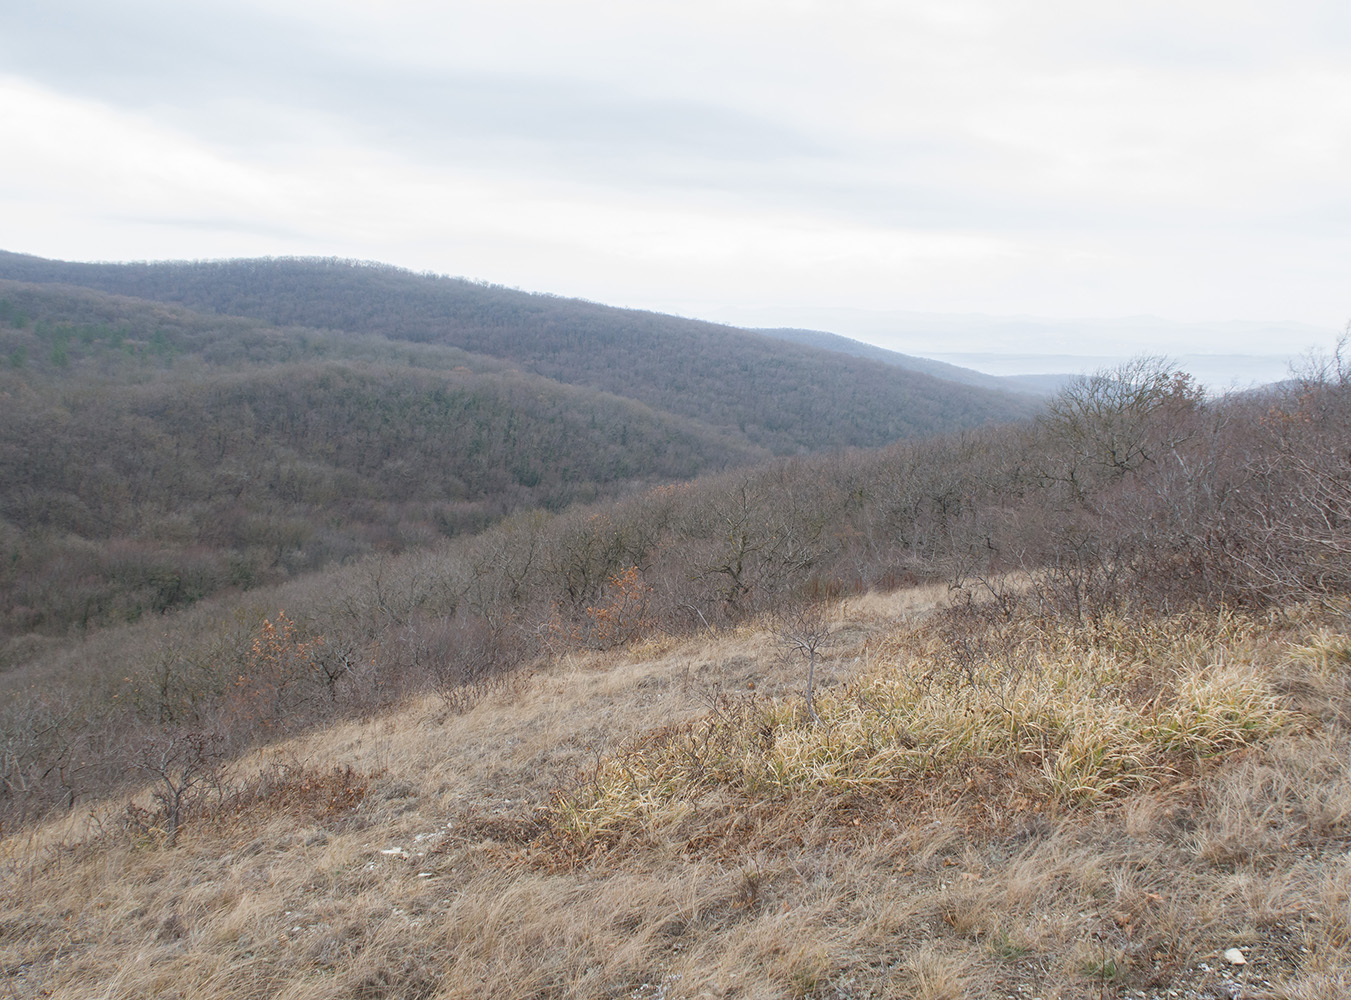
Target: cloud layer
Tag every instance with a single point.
(1043, 158)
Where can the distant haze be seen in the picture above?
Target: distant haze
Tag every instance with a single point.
(1246, 354)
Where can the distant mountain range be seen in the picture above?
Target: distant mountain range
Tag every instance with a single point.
(786, 397)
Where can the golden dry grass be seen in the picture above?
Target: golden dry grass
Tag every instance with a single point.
(431, 862)
(1071, 714)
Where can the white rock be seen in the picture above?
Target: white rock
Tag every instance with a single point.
(1235, 957)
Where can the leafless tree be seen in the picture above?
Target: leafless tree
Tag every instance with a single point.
(807, 630)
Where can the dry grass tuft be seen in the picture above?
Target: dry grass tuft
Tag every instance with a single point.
(932, 972)
(1327, 651)
(1317, 986)
(1070, 715)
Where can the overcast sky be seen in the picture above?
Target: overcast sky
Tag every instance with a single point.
(748, 160)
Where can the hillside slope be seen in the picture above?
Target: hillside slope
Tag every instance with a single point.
(150, 456)
(1033, 385)
(786, 397)
(431, 852)
(577, 755)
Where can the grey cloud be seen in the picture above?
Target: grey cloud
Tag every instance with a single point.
(211, 224)
(437, 112)
(202, 70)
(1210, 40)
(142, 53)
(261, 84)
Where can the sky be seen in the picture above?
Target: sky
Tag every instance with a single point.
(980, 178)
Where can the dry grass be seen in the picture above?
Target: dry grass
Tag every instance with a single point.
(1064, 715)
(1071, 813)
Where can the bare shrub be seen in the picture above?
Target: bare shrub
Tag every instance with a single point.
(277, 680)
(185, 766)
(620, 614)
(760, 543)
(1299, 534)
(293, 787)
(44, 755)
(1117, 420)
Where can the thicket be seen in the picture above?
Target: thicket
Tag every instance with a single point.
(1132, 494)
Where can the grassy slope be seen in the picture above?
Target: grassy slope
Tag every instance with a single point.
(438, 866)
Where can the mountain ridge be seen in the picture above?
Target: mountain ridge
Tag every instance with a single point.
(788, 398)
(1032, 385)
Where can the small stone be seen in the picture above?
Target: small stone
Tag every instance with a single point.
(1235, 957)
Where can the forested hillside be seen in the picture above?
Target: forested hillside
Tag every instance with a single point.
(150, 456)
(318, 411)
(786, 397)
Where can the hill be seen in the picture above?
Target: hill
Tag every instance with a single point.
(1033, 385)
(783, 397)
(153, 454)
(150, 456)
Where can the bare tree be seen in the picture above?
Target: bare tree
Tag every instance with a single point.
(806, 630)
(464, 655)
(1114, 421)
